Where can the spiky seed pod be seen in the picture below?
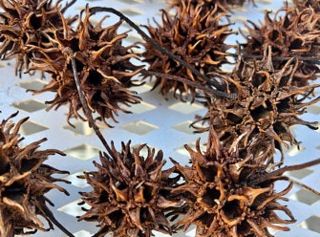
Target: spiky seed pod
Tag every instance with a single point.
(129, 193)
(221, 199)
(268, 104)
(103, 67)
(22, 24)
(221, 5)
(294, 34)
(197, 39)
(303, 4)
(24, 180)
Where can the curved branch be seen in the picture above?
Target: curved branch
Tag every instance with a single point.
(52, 218)
(85, 107)
(282, 170)
(296, 182)
(205, 89)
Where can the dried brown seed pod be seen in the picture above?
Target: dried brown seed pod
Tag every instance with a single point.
(303, 4)
(222, 5)
(295, 34)
(22, 23)
(269, 102)
(221, 199)
(129, 193)
(199, 40)
(24, 180)
(103, 67)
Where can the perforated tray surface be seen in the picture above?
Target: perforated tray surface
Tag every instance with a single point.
(161, 123)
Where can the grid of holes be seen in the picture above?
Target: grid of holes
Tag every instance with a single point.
(163, 124)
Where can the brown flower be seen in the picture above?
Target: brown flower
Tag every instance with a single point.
(24, 180)
(268, 104)
(197, 39)
(295, 34)
(103, 67)
(221, 199)
(129, 193)
(22, 23)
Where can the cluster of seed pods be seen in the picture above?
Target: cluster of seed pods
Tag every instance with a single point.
(228, 190)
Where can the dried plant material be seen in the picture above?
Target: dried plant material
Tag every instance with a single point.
(129, 193)
(303, 4)
(216, 91)
(103, 67)
(294, 34)
(199, 40)
(22, 23)
(222, 197)
(222, 5)
(24, 180)
(269, 103)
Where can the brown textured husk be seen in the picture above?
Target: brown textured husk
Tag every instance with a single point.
(303, 4)
(222, 5)
(24, 180)
(130, 192)
(198, 39)
(220, 199)
(292, 32)
(22, 24)
(269, 103)
(103, 64)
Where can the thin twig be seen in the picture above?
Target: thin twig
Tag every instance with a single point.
(196, 85)
(50, 215)
(282, 170)
(161, 49)
(296, 182)
(85, 107)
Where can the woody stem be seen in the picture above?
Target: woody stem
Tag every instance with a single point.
(188, 82)
(282, 170)
(50, 215)
(304, 186)
(85, 106)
